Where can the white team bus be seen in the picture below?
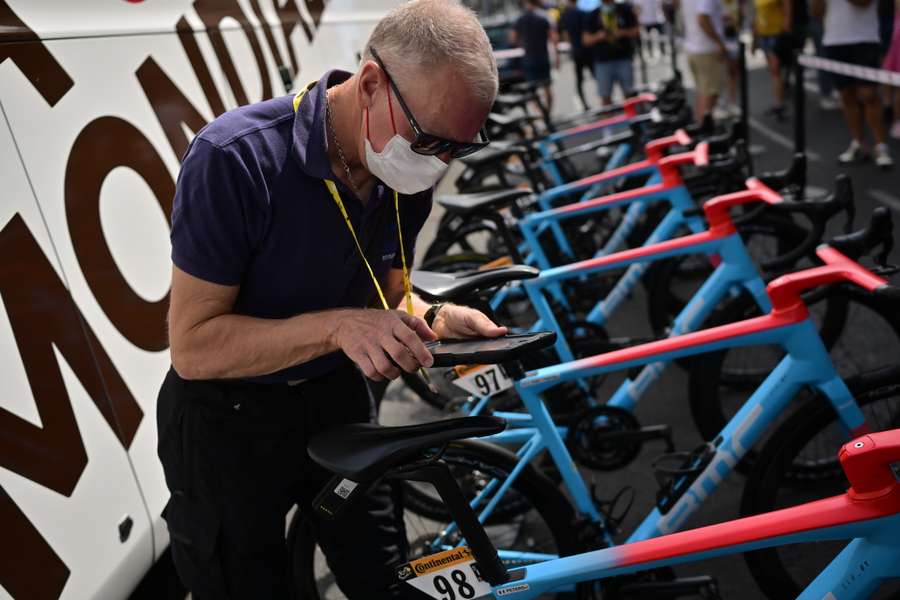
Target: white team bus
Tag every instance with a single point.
(99, 101)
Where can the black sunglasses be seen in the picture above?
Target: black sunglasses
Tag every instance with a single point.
(426, 143)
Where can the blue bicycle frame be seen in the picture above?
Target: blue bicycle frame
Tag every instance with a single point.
(871, 557)
(806, 364)
(665, 185)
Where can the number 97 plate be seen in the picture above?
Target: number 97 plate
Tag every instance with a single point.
(483, 380)
(448, 575)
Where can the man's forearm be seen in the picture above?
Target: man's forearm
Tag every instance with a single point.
(231, 346)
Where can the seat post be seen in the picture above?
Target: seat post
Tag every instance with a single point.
(497, 219)
(438, 474)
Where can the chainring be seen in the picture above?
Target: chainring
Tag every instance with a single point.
(589, 449)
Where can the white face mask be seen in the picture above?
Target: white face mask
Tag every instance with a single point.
(403, 169)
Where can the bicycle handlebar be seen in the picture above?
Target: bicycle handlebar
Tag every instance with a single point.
(818, 214)
(794, 175)
(785, 291)
(879, 232)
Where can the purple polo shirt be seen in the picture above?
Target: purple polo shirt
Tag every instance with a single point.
(251, 209)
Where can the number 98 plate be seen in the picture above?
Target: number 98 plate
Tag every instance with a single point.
(448, 575)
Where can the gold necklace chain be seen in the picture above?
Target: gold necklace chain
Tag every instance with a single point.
(330, 121)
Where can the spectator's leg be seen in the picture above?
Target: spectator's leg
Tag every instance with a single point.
(579, 64)
(548, 93)
(604, 76)
(625, 70)
(895, 129)
(852, 113)
(826, 84)
(774, 64)
(871, 103)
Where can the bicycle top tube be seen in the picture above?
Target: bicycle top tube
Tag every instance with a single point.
(629, 111)
(720, 226)
(670, 177)
(787, 309)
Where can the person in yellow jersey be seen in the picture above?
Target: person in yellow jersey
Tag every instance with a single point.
(771, 34)
(293, 228)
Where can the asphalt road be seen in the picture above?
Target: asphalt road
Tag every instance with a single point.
(772, 146)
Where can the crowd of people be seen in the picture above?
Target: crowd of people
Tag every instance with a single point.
(605, 41)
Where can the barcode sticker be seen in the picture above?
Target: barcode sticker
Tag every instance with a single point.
(345, 488)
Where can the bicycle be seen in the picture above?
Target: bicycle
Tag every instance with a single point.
(490, 475)
(735, 271)
(868, 515)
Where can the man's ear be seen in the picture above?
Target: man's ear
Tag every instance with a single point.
(367, 88)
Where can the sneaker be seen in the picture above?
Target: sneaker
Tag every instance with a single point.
(882, 157)
(829, 103)
(895, 130)
(853, 154)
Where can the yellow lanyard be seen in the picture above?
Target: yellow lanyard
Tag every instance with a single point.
(407, 286)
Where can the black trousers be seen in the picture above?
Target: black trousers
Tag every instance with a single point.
(582, 61)
(235, 461)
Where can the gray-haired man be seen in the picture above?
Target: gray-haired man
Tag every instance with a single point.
(269, 325)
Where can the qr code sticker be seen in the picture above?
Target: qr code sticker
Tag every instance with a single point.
(345, 488)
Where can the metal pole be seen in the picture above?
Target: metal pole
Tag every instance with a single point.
(670, 17)
(744, 89)
(799, 109)
(644, 79)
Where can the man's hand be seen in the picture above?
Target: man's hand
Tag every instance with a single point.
(380, 341)
(454, 321)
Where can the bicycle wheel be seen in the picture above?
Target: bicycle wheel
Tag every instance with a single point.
(536, 518)
(859, 330)
(785, 571)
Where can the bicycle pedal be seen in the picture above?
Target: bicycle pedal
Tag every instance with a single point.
(704, 586)
(676, 479)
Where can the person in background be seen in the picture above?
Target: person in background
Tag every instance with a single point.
(771, 26)
(571, 24)
(532, 31)
(610, 31)
(732, 21)
(851, 36)
(651, 18)
(824, 79)
(704, 44)
(892, 63)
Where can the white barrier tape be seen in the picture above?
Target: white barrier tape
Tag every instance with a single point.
(520, 52)
(842, 68)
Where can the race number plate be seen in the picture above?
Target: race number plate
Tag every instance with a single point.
(448, 575)
(483, 380)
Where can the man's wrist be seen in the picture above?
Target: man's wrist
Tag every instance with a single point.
(432, 313)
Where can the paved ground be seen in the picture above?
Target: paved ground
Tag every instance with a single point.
(666, 402)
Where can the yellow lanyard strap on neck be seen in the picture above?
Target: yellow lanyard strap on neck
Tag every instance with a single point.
(332, 188)
(407, 286)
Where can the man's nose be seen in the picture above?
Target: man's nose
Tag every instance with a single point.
(445, 156)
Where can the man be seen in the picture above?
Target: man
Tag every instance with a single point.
(269, 325)
(610, 32)
(532, 31)
(571, 24)
(704, 44)
(852, 36)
